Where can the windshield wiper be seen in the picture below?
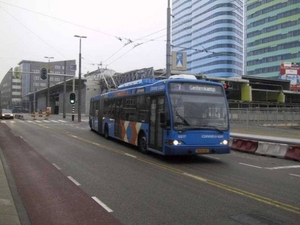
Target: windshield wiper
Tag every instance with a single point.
(180, 117)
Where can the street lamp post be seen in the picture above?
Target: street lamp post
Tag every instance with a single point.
(48, 82)
(79, 78)
(168, 47)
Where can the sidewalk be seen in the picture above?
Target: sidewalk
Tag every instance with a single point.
(8, 211)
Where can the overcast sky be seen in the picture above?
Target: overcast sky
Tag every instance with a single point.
(33, 29)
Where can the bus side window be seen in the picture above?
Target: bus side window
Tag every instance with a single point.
(142, 108)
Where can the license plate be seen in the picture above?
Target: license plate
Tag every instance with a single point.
(202, 150)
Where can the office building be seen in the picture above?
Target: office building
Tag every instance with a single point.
(31, 78)
(273, 36)
(211, 33)
(10, 90)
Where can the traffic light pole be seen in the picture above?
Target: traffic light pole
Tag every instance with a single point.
(48, 83)
(73, 107)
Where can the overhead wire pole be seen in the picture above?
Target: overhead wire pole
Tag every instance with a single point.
(168, 48)
(79, 78)
(65, 90)
(48, 82)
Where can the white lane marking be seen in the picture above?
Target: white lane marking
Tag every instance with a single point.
(283, 167)
(29, 121)
(102, 204)
(37, 121)
(133, 156)
(56, 166)
(74, 181)
(62, 121)
(54, 121)
(195, 177)
(295, 175)
(46, 121)
(244, 164)
(13, 121)
(3, 121)
(211, 157)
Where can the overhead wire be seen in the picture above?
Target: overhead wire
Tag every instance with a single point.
(52, 17)
(133, 48)
(33, 32)
(119, 38)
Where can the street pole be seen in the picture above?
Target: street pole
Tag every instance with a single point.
(34, 99)
(48, 83)
(73, 90)
(168, 48)
(65, 90)
(79, 78)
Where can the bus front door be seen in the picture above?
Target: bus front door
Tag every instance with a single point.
(156, 132)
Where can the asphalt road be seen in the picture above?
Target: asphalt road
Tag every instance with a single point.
(238, 188)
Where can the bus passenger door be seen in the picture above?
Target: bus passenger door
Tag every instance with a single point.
(156, 132)
(100, 115)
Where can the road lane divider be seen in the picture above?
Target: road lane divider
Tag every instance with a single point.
(272, 149)
(56, 166)
(245, 164)
(74, 181)
(293, 152)
(244, 145)
(102, 204)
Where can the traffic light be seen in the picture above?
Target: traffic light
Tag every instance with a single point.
(226, 88)
(44, 73)
(72, 98)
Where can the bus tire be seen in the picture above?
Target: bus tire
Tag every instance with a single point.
(142, 143)
(106, 133)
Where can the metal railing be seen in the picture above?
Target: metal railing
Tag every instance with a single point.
(278, 116)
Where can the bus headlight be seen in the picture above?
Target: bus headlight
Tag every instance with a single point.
(174, 142)
(224, 142)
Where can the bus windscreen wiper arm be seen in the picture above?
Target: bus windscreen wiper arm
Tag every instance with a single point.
(184, 120)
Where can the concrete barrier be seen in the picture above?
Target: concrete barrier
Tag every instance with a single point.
(293, 152)
(272, 149)
(244, 145)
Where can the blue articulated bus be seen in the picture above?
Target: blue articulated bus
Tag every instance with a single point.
(176, 116)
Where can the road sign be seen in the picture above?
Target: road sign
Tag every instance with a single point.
(179, 60)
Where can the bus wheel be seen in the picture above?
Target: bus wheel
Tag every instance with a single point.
(142, 144)
(106, 132)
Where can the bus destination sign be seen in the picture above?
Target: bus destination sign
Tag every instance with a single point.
(194, 87)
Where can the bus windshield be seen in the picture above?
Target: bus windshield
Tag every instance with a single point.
(199, 111)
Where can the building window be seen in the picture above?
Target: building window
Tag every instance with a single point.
(57, 67)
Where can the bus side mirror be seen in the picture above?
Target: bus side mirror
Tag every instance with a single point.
(162, 118)
(164, 123)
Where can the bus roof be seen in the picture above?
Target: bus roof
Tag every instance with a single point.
(136, 83)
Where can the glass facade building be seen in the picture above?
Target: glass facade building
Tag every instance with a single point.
(211, 33)
(273, 36)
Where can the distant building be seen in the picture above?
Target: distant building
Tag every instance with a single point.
(211, 33)
(31, 79)
(273, 34)
(10, 90)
